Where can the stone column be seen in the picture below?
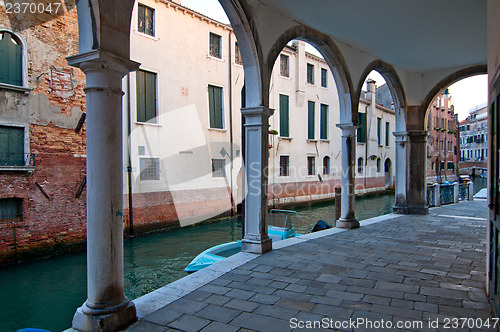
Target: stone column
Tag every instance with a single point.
(416, 188)
(456, 192)
(106, 308)
(437, 194)
(401, 172)
(256, 128)
(348, 148)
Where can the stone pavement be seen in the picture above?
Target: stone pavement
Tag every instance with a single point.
(415, 270)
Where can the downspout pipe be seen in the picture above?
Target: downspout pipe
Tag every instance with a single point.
(231, 141)
(129, 162)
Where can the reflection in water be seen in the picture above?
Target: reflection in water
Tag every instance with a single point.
(45, 294)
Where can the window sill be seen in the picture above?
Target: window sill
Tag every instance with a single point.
(312, 140)
(28, 169)
(326, 140)
(220, 130)
(15, 88)
(215, 58)
(146, 35)
(148, 124)
(284, 138)
(285, 77)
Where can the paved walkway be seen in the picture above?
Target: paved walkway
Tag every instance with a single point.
(414, 270)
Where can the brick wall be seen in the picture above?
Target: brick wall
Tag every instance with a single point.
(53, 215)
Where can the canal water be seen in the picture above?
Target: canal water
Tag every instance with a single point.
(45, 294)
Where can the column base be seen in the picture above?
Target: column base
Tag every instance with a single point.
(410, 210)
(101, 323)
(256, 246)
(347, 223)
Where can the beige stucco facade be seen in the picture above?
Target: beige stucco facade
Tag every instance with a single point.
(183, 144)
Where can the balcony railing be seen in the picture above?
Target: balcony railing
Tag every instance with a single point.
(17, 160)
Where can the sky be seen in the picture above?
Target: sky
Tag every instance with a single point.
(466, 94)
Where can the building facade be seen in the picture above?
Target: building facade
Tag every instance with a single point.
(184, 136)
(42, 133)
(474, 135)
(443, 143)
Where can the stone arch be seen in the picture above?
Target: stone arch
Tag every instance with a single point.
(333, 57)
(395, 87)
(448, 80)
(251, 53)
(104, 25)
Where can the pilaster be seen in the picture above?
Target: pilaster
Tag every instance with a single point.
(348, 148)
(256, 127)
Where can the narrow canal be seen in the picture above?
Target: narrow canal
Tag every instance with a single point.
(45, 294)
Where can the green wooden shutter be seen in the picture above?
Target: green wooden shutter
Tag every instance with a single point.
(324, 122)
(387, 131)
(215, 106)
(284, 116)
(310, 120)
(141, 96)
(379, 131)
(150, 83)
(11, 55)
(362, 129)
(11, 146)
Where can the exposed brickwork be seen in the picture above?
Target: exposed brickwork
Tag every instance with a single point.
(52, 214)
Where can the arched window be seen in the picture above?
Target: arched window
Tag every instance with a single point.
(379, 166)
(360, 165)
(11, 56)
(326, 165)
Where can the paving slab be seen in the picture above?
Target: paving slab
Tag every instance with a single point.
(394, 267)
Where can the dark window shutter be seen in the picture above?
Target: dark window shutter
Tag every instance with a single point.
(150, 83)
(362, 129)
(284, 116)
(141, 96)
(324, 122)
(11, 55)
(310, 120)
(215, 106)
(11, 146)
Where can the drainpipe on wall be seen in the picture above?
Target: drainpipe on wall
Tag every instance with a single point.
(231, 150)
(129, 162)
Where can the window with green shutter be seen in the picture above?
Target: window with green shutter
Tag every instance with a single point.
(284, 116)
(11, 146)
(324, 76)
(215, 107)
(310, 119)
(324, 122)
(379, 131)
(361, 131)
(11, 56)
(146, 96)
(387, 133)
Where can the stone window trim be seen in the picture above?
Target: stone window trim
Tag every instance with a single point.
(149, 176)
(146, 32)
(29, 165)
(25, 87)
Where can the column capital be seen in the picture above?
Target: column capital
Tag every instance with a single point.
(348, 128)
(258, 110)
(401, 137)
(417, 136)
(98, 59)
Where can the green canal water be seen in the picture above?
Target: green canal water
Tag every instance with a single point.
(45, 294)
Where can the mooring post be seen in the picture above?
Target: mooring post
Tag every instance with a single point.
(338, 195)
